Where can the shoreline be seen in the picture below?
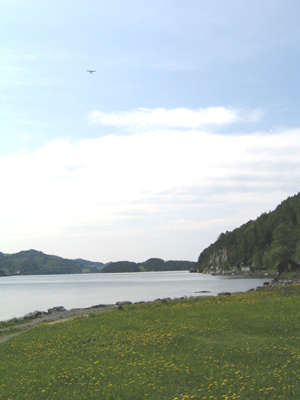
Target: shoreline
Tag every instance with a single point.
(59, 312)
(251, 274)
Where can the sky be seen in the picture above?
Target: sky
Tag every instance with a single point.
(189, 127)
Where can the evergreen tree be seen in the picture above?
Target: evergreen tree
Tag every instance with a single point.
(271, 238)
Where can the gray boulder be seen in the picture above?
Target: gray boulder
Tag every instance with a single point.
(123, 303)
(99, 305)
(56, 309)
(35, 314)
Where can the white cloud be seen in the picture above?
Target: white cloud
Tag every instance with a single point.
(135, 181)
(172, 178)
(179, 118)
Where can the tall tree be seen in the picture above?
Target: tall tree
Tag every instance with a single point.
(285, 241)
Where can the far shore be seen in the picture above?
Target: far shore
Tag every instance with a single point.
(253, 274)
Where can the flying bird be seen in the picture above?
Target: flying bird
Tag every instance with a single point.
(90, 71)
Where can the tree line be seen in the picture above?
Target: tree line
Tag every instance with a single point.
(153, 264)
(271, 238)
(32, 262)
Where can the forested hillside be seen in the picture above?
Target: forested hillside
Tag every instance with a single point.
(271, 238)
(32, 262)
(153, 264)
(121, 266)
(90, 266)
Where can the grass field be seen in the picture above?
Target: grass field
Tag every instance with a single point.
(228, 347)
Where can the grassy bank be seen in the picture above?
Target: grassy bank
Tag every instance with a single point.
(228, 347)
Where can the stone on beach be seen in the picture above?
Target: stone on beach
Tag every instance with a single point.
(56, 309)
(35, 314)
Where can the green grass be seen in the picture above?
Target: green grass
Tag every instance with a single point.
(228, 347)
(9, 331)
(10, 324)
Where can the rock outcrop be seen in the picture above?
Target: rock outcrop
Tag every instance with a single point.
(35, 314)
(56, 309)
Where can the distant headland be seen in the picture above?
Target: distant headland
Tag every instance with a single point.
(33, 262)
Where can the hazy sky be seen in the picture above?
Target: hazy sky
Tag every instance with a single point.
(189, 127)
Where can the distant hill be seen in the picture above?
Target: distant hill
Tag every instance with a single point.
(32, 262)
(153, 264)
(90, 265)
(121, 266)
(260, 243)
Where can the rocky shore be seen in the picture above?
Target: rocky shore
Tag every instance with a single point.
(60, 312)
(281, 282)
(236, 272)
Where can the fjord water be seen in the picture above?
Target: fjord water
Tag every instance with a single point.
(22, 294)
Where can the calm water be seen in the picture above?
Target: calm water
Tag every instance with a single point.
(22, 294)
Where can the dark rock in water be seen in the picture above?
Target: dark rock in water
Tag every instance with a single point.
(55, 309)
(203, 291)
(35, 314)
(98, 305)
(224, 294)
(123, 303)
(266, 283)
